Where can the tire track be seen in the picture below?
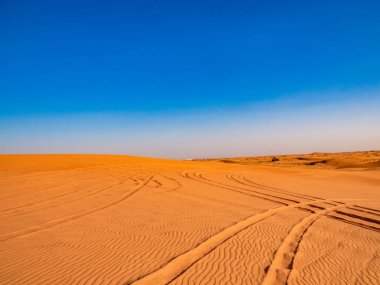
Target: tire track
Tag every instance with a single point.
(357, 224)
(340, 204)
(170, 188)
(370, 209)
(57, 175)
(44, 226)
(58, 197)
(27, 193)
(364, 211)
(231, 188)
(181, 263)
(282, 263)
(108, 255)
(335, 257)
(370, 220)
(119, 262)
(345, 220)
(274, 189)
(232, 178)
(242, 259)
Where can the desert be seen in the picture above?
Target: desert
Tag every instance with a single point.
(114, 219)
(193, 142)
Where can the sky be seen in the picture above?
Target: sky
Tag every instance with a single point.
(187, 79)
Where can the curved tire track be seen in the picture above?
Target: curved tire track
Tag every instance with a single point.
(8, 211)
(232, 178)
(278, 190)
(281, 265)
(248, 192)
(181, 263)
(44, 226)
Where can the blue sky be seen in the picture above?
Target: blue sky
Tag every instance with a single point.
(178, 78)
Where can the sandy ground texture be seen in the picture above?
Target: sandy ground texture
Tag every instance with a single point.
(103, 219)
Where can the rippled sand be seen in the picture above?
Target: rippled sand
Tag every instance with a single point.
(97, 219)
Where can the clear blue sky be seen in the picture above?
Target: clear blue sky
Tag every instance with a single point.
(96, 66)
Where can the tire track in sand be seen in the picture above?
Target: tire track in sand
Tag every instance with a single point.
(243, 180)
(281, 265)
(8, 211)
(244, 191)
(44, 226)
(232, 178)
(181, 263)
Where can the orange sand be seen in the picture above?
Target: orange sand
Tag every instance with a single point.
(103, 219)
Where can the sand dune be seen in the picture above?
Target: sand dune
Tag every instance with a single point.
(98, 219)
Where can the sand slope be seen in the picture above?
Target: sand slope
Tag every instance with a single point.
(97, 219)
